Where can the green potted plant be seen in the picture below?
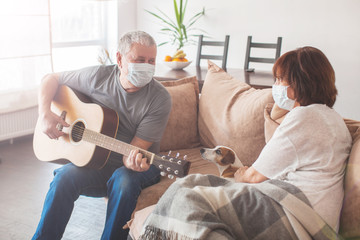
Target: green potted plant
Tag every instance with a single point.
(179, 32)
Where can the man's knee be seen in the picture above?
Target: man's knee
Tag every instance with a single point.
(124, 181)
(65, 176)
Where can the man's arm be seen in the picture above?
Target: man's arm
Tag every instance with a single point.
(249, 175)
(135, 161)
(49, 120)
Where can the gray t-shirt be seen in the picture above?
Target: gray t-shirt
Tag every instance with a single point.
(309, 150)
(143, 113)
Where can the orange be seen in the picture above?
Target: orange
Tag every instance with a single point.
(177, 59)
(168, 59)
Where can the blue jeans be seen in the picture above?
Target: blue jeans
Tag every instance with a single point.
(121, 185)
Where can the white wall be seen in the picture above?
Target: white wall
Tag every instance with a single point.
(127, 15)
(330, 25)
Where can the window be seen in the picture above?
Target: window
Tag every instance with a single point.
(31, 47)
(80, 30)
(25, 48)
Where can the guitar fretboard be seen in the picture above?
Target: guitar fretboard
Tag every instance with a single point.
(113, 144)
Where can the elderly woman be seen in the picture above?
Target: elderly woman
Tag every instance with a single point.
(306, 157)
(310, 147)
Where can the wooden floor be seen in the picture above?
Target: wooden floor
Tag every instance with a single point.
(24, 182)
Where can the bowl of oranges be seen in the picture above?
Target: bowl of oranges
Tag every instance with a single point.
(177, 61)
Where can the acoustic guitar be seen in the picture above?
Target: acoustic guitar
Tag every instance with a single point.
(90, 139)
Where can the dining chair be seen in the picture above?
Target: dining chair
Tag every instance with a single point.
(250, 44)
(223, 57)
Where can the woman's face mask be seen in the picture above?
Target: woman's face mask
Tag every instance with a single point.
(281, 99)
(140, 74)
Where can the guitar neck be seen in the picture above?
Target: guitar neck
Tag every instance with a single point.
(114, 144)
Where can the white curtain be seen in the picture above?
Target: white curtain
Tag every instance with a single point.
(25, 50)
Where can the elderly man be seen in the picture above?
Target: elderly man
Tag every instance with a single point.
(143, 106)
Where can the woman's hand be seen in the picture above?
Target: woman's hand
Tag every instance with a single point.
(249, 175)
(135, 161)
(239, 174)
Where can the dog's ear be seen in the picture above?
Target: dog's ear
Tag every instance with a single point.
(229, 157)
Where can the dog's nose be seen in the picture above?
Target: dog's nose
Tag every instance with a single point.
(202, 150)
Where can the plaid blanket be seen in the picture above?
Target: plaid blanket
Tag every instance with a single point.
(209, 207)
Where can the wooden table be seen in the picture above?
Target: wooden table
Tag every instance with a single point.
(257, 79)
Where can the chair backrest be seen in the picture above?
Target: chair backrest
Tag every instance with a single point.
(223, 57)
(251, 44)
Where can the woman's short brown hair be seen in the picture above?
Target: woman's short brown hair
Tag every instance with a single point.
(310, 74)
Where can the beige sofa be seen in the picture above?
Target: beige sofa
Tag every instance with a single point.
(231, 113)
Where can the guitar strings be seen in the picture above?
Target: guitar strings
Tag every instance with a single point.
(79, 131)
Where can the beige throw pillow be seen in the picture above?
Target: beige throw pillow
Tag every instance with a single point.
(231, 113)
(182, 128)
(273, 117)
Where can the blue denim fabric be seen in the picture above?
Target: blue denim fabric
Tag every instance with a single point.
(121, 185)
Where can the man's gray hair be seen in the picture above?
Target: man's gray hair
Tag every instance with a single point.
(139, 37)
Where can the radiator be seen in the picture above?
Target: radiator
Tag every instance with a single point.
(18, 123)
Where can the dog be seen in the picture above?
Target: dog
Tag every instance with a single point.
(224, 158)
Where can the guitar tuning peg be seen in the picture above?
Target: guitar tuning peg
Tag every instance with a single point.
(171, 176)
(185, 157)
(177, 155)
(169, 153)
(163, 174)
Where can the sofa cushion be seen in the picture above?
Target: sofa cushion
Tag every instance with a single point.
(182, 128)
(231, 113)
(350, 216)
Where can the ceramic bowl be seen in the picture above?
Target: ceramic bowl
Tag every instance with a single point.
(175, 65)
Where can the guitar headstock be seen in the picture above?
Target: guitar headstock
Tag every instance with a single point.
(172, 166)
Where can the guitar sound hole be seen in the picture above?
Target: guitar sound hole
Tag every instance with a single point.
(78, 131)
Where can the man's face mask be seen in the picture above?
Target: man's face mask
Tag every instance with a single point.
(281, 99)
(140, 74)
